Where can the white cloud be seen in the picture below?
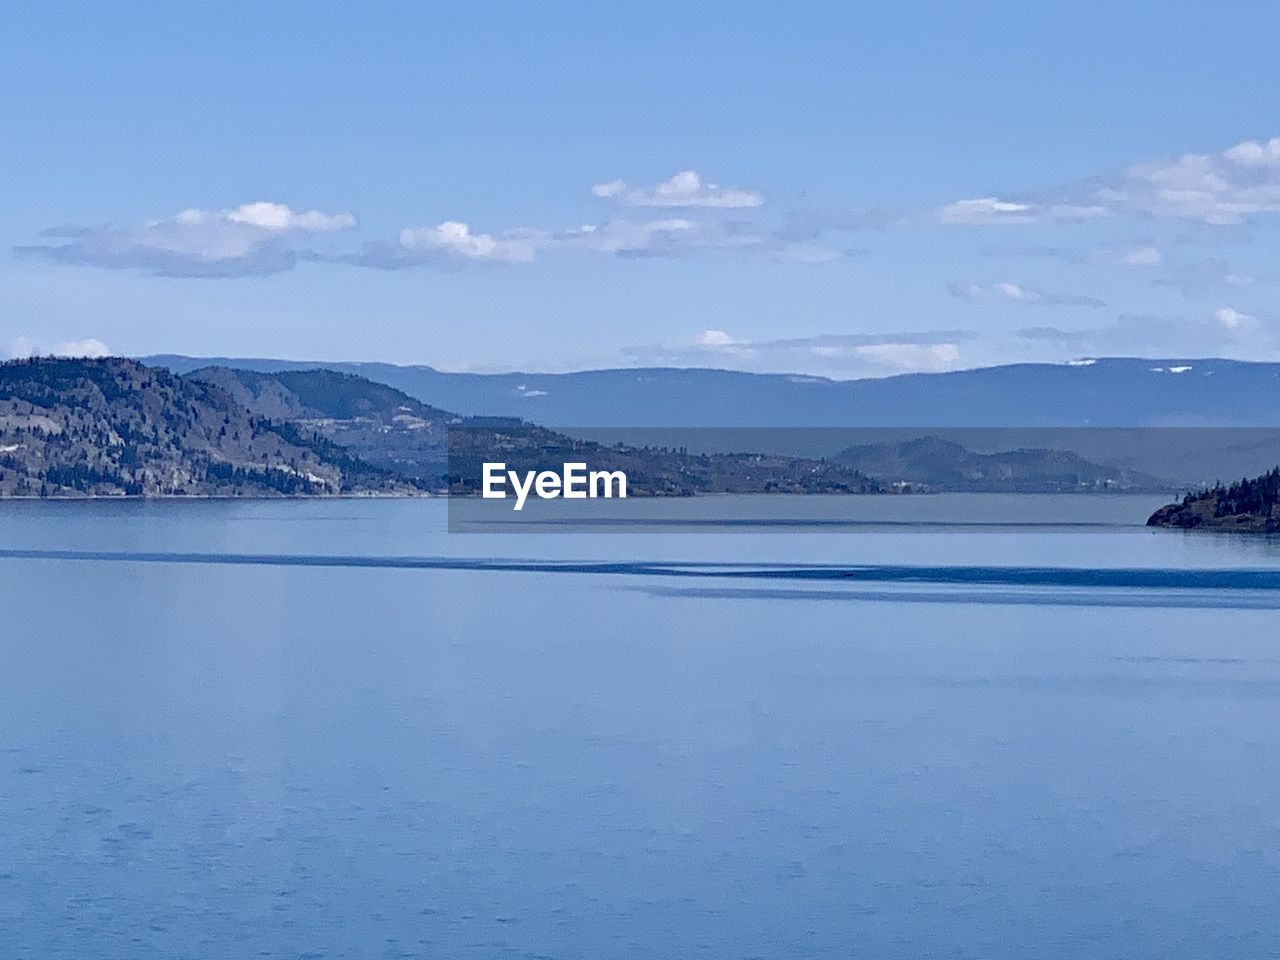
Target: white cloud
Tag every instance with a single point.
(1213, 188)
(1251, 153)
(714, 339)
(265, 237)
(454, 243)
(453, 239)
(88, 347)
(30, 347)
(1007, 292)
(993, 211)
(986, 210)
(253, 239)
(1231, 319)
(999, 291)
(610, 190)
(278, 217)
(685, 189)
(1142, 257)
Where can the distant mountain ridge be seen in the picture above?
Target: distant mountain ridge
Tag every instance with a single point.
(1125, 392)
(117, 427)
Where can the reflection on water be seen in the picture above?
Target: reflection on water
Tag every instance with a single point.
(609, 748)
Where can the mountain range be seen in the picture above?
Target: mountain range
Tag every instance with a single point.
(1106, 392)
(116, 426)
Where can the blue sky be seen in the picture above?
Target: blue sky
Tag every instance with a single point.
(834, 189)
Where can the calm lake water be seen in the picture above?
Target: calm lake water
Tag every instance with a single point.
(333, 729)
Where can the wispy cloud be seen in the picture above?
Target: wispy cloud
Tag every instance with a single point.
(813, 254)
(1144, 255)
(672, 236)
(257, 238)
(681, 236)
(1197, 277)
(986, 210)
(1228, 187)
(994, 211)
(1137, 255)
(1006, 292)
(830, 355)
(1164, 265)
(1039, 251)
(1225, 332)
(810, 223)
(454, 243)
(686, 189)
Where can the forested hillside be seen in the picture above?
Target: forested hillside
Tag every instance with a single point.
(115, 427)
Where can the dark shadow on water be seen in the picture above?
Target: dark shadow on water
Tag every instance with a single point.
(833, 523)
(1161, 599)
(1104, 578)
